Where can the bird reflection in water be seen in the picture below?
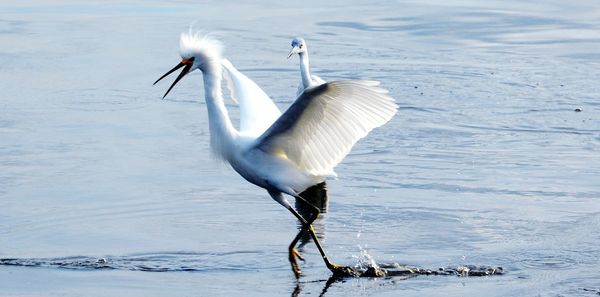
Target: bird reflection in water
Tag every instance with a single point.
(299, 286)
(332, 279)
(317, 196)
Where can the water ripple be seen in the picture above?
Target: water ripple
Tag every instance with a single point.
(92, 99)
(153, 262)
(562, 130)
(548, 262)
(486, 27)
(203, 262)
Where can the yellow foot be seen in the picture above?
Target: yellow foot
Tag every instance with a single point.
(294, 253)
(292, 257)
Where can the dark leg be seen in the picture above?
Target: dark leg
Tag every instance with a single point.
(293, 253)
(336, 269)
(306, 226)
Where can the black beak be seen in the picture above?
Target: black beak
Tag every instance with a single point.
(188, 65)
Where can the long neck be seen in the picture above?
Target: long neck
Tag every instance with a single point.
(222, 132)
(305, 70)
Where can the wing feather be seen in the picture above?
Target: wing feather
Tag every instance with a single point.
(257, 110)
(321, 126)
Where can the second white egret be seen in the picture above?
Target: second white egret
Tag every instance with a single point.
(308, 80)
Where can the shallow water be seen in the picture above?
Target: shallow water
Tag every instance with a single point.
(486, 163)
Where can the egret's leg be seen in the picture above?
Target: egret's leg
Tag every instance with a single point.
(336, 269)
(304, 228)
(293, 253)
(317, 196)
(307, 226)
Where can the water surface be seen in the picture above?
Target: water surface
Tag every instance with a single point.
(487, 162)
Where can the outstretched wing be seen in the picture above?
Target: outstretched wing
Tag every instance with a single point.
(257, 110)
(321, 126)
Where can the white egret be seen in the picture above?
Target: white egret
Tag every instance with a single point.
(299, 47)
(301, 147)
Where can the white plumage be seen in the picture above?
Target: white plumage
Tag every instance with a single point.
(257, 110)
(289, 152)
(197, 44)
(321, 127)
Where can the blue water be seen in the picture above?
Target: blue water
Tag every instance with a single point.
(486, 163)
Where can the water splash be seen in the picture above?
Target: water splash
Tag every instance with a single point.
(365, 262)
(366, 266)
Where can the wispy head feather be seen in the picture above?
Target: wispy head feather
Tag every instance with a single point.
(196, 44)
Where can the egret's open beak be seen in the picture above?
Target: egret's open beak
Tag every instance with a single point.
(294, 50)
(188, 65)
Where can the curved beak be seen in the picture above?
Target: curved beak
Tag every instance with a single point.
(188, 65)
(294, 50)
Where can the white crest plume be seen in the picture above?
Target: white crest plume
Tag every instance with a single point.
(195, 43)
